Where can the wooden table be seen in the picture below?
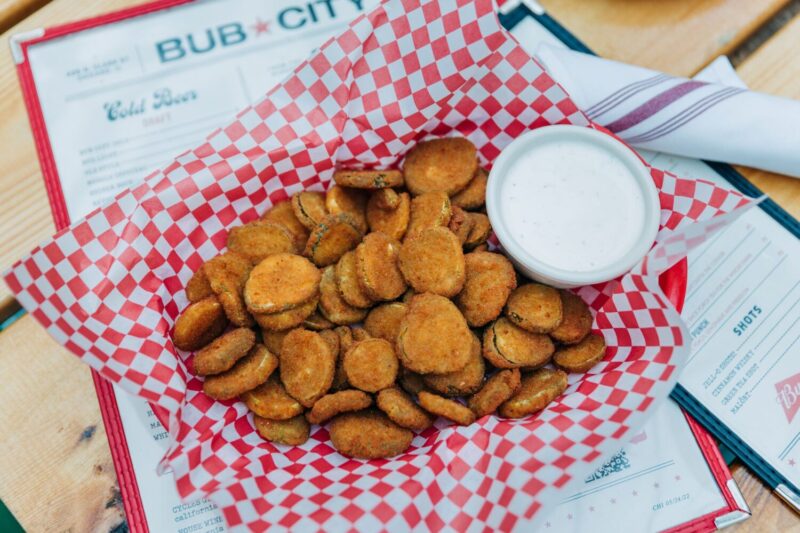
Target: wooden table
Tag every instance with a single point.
(56, 467)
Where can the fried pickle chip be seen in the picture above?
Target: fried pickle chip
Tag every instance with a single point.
(332, 305)
(360, 334)
(386, 199)
(411, 382)
(331, 405)
(273, 340)
(445, 165)
(317, 322)
(256, 240)
(291, 432)
(461, 382)
(434, 337)
(393, 222)
(332, 338)
(368, 179)
(352, 202)
(408, 295)
(345, 338)
(248, 373)
(461, 224)
(449, 409)
(402, 410)
(535, 307)
(345, 341)
(309, 208)
(490, 278)
(368, 435)
(200, 323)
(377, 269)
(371, 365)
(347, 281)
(480, 231)
(331, 239)
(430, 210)
(433, 261)
(223, 352)
(577, 319)
(473, 196)
(536, 390)
(307, 366)
(281, 282)
(384, 321)
(497, 389)
(481, 248)
(286, 319)
(508, 346)
(583, 356)
(283, 214)
(271, 400)
(227, 275)
(198, 286)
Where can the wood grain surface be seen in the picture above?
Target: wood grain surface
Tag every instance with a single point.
(12, 11)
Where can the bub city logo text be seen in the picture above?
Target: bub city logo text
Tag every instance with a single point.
(293, 17)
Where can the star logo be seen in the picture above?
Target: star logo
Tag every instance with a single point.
(260, 27)
(677, 478)
(635, 493)
(569, 516)
(613, 500)
(791, 462)
(656, 485)
(591, 508)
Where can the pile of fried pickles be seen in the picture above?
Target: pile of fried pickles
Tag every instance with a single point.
(376, 307)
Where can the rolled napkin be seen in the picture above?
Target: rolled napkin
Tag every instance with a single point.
(691, 118)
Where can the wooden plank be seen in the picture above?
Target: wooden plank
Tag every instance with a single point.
(775, 68)
(769, 511)
(56, 466)
(12, 11)
(678, 37)
(25, 217)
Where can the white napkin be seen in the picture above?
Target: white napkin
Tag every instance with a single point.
(712, 117)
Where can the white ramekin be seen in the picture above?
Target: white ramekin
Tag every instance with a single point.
(525, 260)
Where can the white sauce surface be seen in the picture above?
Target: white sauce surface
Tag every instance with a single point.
(572, 205)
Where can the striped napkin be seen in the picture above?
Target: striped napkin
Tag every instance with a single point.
(712, 117)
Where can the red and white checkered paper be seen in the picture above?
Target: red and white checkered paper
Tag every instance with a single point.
(110, 286)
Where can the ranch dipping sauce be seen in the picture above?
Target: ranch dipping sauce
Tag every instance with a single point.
(572, 206)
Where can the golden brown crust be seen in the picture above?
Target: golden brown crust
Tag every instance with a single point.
(384, 321)
(273, 340)
(473, 196)
(290, 432)
(434, 337)
(332, 305)
(248, 373)
(535, 392)
(430, 210)
(386, 199)
(331, 405)
(271, 400)
(480, 231)
(309, 208)
(256, 240)
(334, 236)
(449, 409)
(307, 366)
(368, 435)
(508, 346)
(288, 319)
(198, 286)
(332, 338)
(402, 410)
(497, 389)
(283, 214)
(371, 365)
(460, 224)
(352, 202)
(433, 261)
(445, 165)
(535, 307)
(316, 322)
(227, 275)
(461, 382)
(281, 282)
(200, 323)
(393, 222)
(490, 278)
(377, 269)
(583, 356)
(368, 179)
(411, 382)
(223, 352)
(347, 281)
(577, 319)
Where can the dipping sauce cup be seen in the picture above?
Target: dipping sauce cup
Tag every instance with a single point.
(572, 206)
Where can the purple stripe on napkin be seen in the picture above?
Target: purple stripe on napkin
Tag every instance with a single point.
(654, 105)
(623, 93)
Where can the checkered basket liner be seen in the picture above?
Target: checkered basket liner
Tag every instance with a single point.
(110, 286)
